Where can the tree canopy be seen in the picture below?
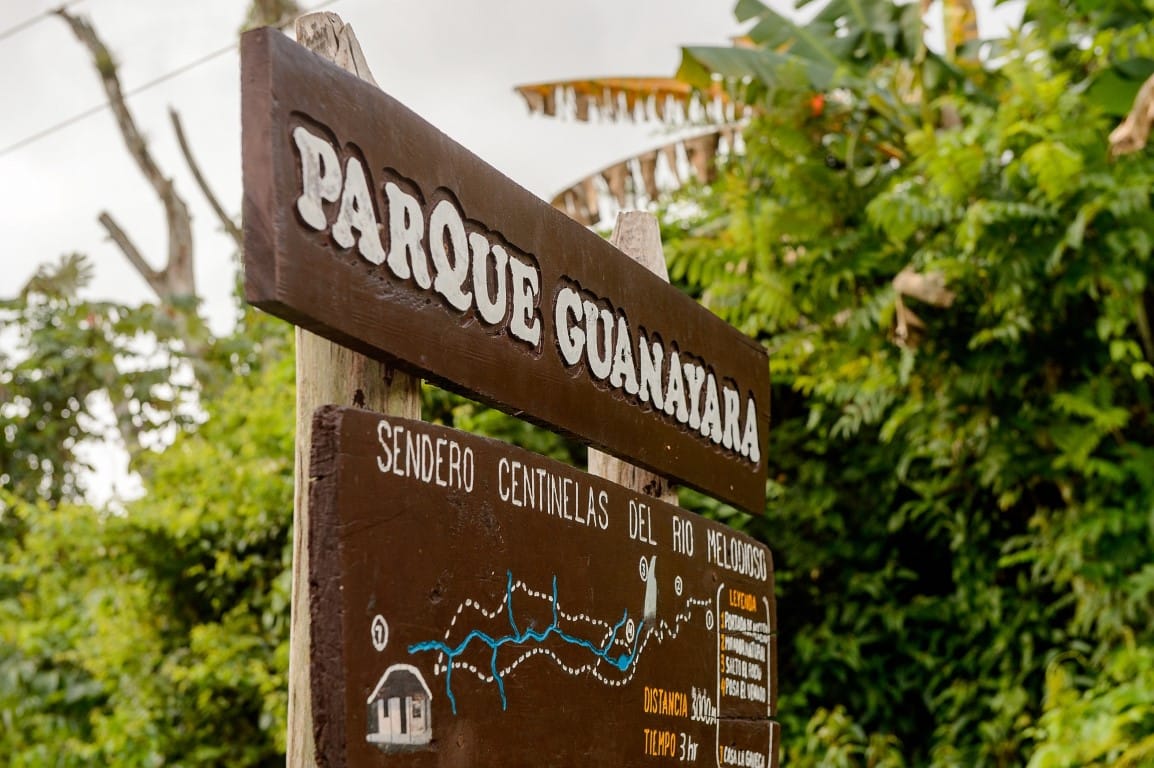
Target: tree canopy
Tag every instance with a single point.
(961, 477)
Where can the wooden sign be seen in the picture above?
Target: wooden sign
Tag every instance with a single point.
(367, 225)
(478, 605)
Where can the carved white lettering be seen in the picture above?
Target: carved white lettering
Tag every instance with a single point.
(624, 373)
(491, 307)
(526, 283)
(694, 377)
(357, 213)
(320, 176)
(651, 356)
(567, 319)
(750, 442)
(675, 390)
(711, 411)
(447, 233)
(406, 229)
(598, 339)
(731, 438)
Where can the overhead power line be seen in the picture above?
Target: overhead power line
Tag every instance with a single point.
(34, 20)
(84, 114)
(76, 118)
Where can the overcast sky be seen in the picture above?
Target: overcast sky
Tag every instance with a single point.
(454, 62)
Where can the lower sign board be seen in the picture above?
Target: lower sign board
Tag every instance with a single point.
(474, 604)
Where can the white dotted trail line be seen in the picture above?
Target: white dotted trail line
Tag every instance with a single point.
(662, 633)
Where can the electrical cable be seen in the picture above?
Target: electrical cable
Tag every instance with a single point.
(84, 114)
(34, 20)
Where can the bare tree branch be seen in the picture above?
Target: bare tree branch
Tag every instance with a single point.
(1143, 322)
(226, 221)
(176, 279)
(1132, 133)
(154, 279)
(930, 288)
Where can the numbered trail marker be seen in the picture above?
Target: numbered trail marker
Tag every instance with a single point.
(476, 604)
(367, 225)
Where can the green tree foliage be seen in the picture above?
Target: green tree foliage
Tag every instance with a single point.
(960, 514)
(70, 368)
(159, 635)
(64, 357)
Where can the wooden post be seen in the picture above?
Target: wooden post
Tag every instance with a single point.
(638, 235)
(327, 373)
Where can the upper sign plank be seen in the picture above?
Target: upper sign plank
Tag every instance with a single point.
(367, 225)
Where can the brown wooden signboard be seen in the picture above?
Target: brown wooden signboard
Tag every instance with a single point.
(367, 225)
(478, 605)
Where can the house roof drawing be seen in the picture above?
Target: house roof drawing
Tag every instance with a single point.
(400, 680)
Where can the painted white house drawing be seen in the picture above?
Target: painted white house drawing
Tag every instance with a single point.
(400, 709)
